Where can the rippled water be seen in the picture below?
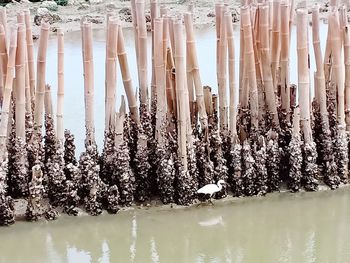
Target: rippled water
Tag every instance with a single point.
(303, 227)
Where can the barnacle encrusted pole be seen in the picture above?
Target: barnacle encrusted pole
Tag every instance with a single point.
(266, 61)
(5, 110)
(310, 154)
(111, 72)
(337, 77)
(127, 81)
(331, 177)
(192, 57)
(30, 52)
(41, 76)
(295, 154)
(60, 86)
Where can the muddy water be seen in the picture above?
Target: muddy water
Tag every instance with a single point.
(74, 102)
(303, 227)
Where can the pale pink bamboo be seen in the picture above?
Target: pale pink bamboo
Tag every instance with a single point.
(346, 39)
(60, 88)
(154, 15)
(30, 52)
(276, 42)
(48, 101)
(3, 62)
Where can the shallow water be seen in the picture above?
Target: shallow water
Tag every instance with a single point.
(74, 88)
(303, 227)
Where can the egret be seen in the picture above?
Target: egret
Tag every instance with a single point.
(211, 189)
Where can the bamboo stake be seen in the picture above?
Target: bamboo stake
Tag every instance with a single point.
(136, 39)
(3, 21)
(111, 73)
(241, 63)
(30, 52)
(41, 75)
(276, 42)
(291, 18)
(48, 101)
(346, 39)
(5, 110)
(231, 74)
(192, 58)
(320, 84)
(142, 38)
(180, 88)
(60, 88)
(285, 85)
(3, 62)
(327, 54)
(88, 82)
(171, 83)
(127, 81)
(266, 61)
(296, 122)
(28, 95)
(337, 65)
(159, 78)
(20, 82)
(119, 123)
(250, 66)
(154, 15)
(303, 73)
(218, 13)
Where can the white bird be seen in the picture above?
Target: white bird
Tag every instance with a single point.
(211, 189)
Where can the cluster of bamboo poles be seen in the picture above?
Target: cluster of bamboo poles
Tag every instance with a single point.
(179, 136)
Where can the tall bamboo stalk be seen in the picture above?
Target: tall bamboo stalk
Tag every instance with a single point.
(192, 59)
(60, 88)
(276, 41)
(218, 13)
(284, 76)
(250, 66)
(3, 21)
(180, 88)
(30, 52)
(346, 39)
(111, 73)
(231, 74)
(20, 82)
(320, 84)
(154, 15)
(3, 62)
(303, 73)
(48, 101)
(127, 81)
(5, 110)
(41, 75)
(160, 78)
(142, 46)
(88, 82)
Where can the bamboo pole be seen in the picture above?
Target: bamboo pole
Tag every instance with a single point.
(218, 13)
(3, 21)
(48, 101)
(337, 66)
(3, 62)
(296, 122)
(127, 81)
(60, 88)
(119, 123)
(346, 39)
(111, 73)
(193, 60)
(320, 84)
(20, 82)
(41, 75)
(241, 63)
(142, 45)
(180, 88)
(88, 82)
(231, 74)
(160, 78)
(291, 17)
(30, 52)
(136, 39)
(154, 15)
(250, 66)
(284, 76)
(171, 86)
(5, 110)
(303, 73)
(276, 41)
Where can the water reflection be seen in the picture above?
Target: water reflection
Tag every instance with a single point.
(305, 227)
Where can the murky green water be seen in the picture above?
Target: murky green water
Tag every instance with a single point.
(304, 227)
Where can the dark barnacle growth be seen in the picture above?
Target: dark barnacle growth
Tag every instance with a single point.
(260, 166)
(123, 174)
(107, 164)
(192, 169)
(204, 164)
(166, 171)
(295, 163)
(273, 165)
(341, 153)
(235, 168)
(132, 131)
(249, 172)
(92, 187)
(284, 138)
(184, 190)
(112, 199)
(29, 126)
(69, 148)
(35, 207)
(54, 163)
(7, 215)
(310, 169)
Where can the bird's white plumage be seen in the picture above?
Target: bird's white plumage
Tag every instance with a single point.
(210, 189)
